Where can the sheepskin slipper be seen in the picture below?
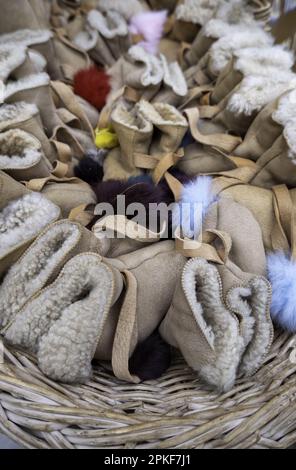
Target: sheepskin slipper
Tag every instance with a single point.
(21, 220)
(41, 262)
(65, 322)
(25, 116)
(202, 327)
(21, 156)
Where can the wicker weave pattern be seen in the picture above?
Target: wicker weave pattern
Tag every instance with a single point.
(174, 412)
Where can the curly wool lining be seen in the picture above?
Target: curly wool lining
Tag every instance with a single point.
(26, 277)
(18, 149)
(64, 323)
(285, 111)
(26, 83)
(196, 11)
(217, 28)
(154, 72)
(26, 37)
(131, 119)
(256, 298)
(109, 26)
(255, 92)
(174, 77)
(10, 59)
(16, 113)
(23, 218)
(202, 287)
(263, 61)
(161, 114)
(126, 9)
(87, 39)
(222, 50)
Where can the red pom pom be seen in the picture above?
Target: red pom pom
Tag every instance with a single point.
(93, 85)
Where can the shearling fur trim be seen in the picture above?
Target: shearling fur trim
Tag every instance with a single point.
(263, 61)
(12, 114)
(154, 72)
(38, 60)
(196, 199)
(126, 9)
(18, 149)
(221, 51)
(290, 136)
(131, 119)
(30, 274)
(26, 37)
(196, 11)
(234, 12)
(216, 28)
(174, 77)
(255, 92)
(10, 59)
(202, 287)
(26, 83)
(64, 323)
(109, 26)
(285, 111)
(87, 39)
(23, 219)
(161, 114)
(259, 304)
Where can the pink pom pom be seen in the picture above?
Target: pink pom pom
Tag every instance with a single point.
(150, 25)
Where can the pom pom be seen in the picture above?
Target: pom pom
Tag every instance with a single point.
(151, 358)
(150, 26)
(196, 198)
(89, 171)
(93, 85)
(282, 276)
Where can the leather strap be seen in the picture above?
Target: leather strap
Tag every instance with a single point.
(81, 215)
(204, 248)
(195, 93)
(127, 228)
(126, 335)
(64, 152)
(69, 101)
(222, 141)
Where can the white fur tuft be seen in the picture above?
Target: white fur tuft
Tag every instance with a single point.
(154, 73)
(10, 59)
(282, 275)
(109, 26)
(196, 11)
(174, 77)
(196, 199)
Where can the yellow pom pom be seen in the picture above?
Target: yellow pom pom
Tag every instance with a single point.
(106, 138)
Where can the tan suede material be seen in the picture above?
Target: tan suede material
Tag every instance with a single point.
(227, 80)
(134, 134)
(199, 48)
(275, 166)
(125, 72)
(154, 269)
(260, 201)
(12, 20)
(185, 31)
(70, 57)
(261, 134)
(10, 189)
(163, 4)
(199, 159)
(219, 317)
(170, 49)
(34, 126)
(247, 250)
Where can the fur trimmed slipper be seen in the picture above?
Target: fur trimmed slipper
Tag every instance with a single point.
(21, 156)
(42, 261)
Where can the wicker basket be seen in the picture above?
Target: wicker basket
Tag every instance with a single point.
(177, 411)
